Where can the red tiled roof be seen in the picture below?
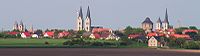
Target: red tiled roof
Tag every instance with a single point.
(49, 33)
(151, 34)
(181, 36)
(155, 34)
(13, 33)
(189, 30)
(97, 36)
(100, 29)
(171, 30)
(62, 34)
(27, 34)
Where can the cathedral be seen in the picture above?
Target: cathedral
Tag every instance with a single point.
(81, 24)
(163, 25)
(147, 24)
(19, 27)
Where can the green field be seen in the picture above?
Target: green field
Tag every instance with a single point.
(58, 43)
(31, 42)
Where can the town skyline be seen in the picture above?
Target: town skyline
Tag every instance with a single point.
(64, 16)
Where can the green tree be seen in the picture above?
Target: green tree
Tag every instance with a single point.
(180, 29)
(118, 33)
(193, 27)
(138, 31)
(180, 41)
(128, 30)
(39, 32)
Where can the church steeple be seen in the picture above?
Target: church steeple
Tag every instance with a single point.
(88, 12)
(80, 13)
(88, 21)
(15, 27)
(21, 26)
(80, 20)
(159, 24)
(159, 20)
(166, 17)
(166, 22)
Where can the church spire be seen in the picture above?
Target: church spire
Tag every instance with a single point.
(159, 20)
(81, 13)
(80, 20)
(15, 27)
(88, 12)
(21, 23)
(88, 21)
(166, 17)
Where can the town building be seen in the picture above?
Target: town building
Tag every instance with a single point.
(21, 26)
(147, 25)
(88, 21)
(80, 20)
(154, 42)
(84, 25)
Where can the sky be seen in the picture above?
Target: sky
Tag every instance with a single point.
(116, 14)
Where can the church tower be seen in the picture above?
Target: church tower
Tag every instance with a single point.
(21, 26)
(31, 29)
(159, 24)
(166, 22)
(80, 20)
(88, 21)
(15, 27)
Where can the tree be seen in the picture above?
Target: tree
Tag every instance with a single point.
(118, 33)
(180, 29)
(180, 41)
(128, 30)
(193, 27)
(39, 32)
(138, 31)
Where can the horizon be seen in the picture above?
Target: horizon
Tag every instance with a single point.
(62, 14)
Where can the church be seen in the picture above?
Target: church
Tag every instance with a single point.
(81, 24)
(163, 26)
(19, 27)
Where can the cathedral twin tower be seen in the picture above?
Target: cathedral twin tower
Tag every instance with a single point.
(81, 24)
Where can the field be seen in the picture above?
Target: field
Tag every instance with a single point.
(58, 43)
(30, 42)
(91, 52)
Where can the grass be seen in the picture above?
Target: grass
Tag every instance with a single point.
(7, 42)
(58, 43)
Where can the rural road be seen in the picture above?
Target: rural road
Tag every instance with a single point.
(91, 52)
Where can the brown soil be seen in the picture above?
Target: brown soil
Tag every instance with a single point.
(91, 52)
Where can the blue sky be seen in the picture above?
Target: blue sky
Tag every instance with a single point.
(116, 14)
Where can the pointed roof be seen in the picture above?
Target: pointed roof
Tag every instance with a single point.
(21, 23)
(80, 13)
(88, 12)
(16, 23)
(166, 17)
(26, 29)
(147, 20)
(159, 20)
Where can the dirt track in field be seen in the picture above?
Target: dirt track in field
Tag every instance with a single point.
(91, 52)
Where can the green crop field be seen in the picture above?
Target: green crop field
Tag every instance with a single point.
(59, 43)
(31, 41)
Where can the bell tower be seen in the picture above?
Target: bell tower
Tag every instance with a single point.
(88, 21)
(80, 20)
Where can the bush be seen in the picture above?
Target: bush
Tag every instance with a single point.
(192, 45)
(46, 43)
(97, 43)
(126, 42)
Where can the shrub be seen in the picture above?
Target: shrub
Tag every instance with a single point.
(192, 45)
(46, 43)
